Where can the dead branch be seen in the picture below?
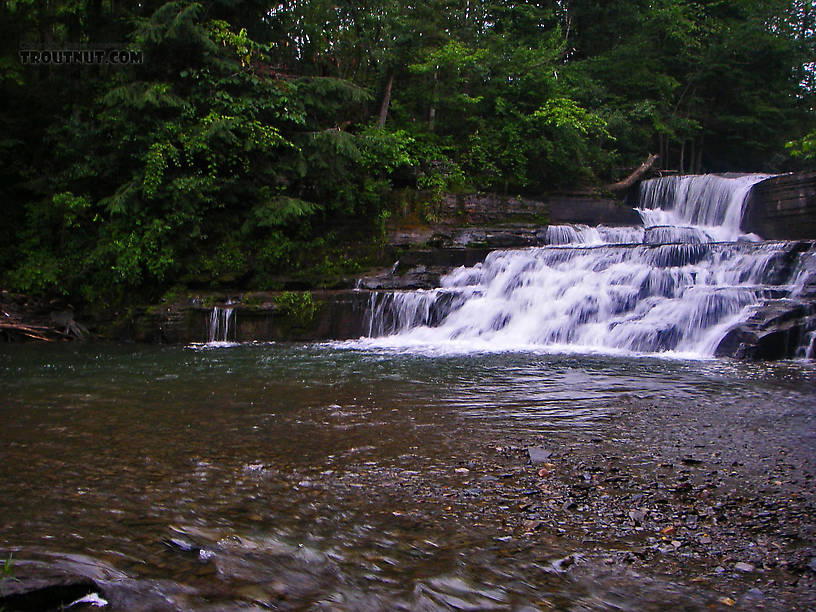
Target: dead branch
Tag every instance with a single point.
(633, 178)
(36, 332)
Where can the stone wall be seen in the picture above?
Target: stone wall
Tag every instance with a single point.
(486, 209)
(339, 315)
(783, 207)
(591, 211)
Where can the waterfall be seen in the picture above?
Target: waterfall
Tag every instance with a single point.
(810, 346)
(583, 234)
(711, 204)
(676, 285)
(221, 325)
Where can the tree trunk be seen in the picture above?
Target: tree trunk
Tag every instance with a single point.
(432, 111)
(664, 157)
(386, 101)
(692, 157)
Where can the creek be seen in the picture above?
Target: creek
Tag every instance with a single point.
(325, 476)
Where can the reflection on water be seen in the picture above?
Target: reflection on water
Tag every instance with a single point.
(296, 476)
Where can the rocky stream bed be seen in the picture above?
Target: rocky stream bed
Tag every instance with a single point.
(665, 505)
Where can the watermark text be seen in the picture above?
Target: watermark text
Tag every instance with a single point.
(65, 57)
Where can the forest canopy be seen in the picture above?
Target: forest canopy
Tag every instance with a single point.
(234, 137)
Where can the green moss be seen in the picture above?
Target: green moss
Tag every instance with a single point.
(298, 309)
(253, 299)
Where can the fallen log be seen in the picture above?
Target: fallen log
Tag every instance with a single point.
(35, 332)
(633, 178)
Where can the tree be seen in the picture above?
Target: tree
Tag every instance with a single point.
(253, 136)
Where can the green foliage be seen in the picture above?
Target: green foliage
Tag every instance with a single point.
(228, 261)
(299, 308)
(382, 221)
(7, 569)
(38, 273)
(385, 152)
(278, 211)
(250, 135)
(566, 114)
(804, 148)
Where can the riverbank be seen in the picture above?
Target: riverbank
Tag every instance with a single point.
(716, 503)
(690, 507)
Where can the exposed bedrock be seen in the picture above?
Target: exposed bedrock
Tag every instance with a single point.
(783, 207)
(780, 328)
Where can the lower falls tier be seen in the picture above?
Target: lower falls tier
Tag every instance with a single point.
(744, 300)
(687, 281)
(693, 299)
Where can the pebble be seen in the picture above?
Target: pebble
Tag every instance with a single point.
(637, 515)
(744, 567)
(754, 594)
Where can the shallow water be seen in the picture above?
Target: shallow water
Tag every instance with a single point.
(312, 476)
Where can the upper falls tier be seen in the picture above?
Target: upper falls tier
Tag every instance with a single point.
(712, 205)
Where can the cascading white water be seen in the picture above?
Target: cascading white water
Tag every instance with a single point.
(711, 204)
(583, 234)
(221, 327)
(676, 285)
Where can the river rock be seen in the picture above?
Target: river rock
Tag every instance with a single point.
(538, 455)
(754, 595)
(778, 329)
(45, 592)
(637, 516)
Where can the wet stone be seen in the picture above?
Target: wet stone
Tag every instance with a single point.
(181, 545)
(637, 516)
(45, 594)
(754, 595)
(538, 455)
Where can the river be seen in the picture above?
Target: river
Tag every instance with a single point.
(326, 476)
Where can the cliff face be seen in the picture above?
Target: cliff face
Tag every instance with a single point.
(491, 209)
(783, 207)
